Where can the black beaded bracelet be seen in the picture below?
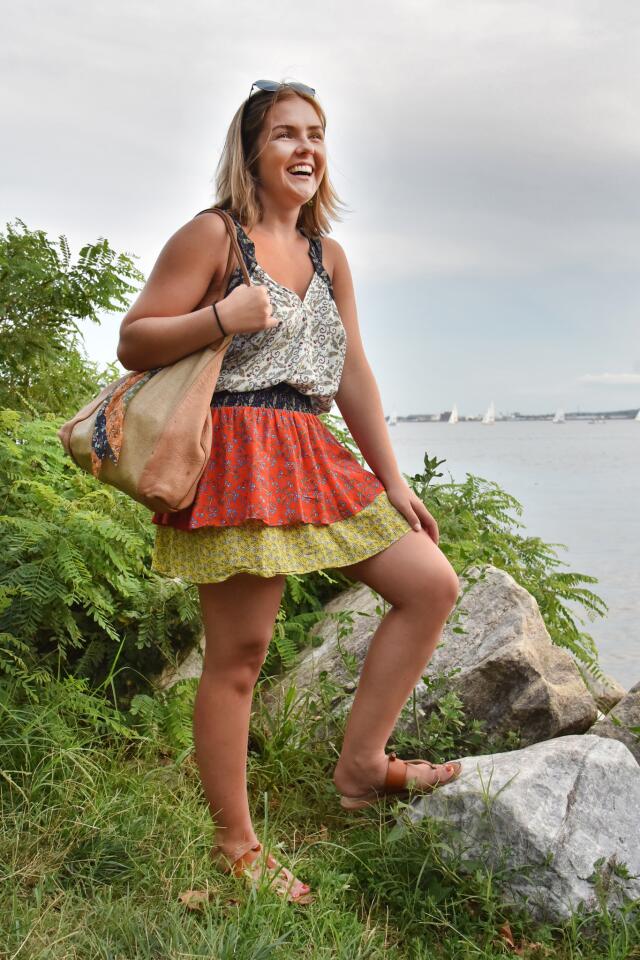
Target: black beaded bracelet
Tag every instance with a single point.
(224, 332)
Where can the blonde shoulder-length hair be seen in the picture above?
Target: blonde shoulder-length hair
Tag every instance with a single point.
(236, 173)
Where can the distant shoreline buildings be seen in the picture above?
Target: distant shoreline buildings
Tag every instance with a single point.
(446, 416)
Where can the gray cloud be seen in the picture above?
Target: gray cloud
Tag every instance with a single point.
(488, 152)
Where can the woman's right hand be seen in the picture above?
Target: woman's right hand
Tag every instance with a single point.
(246, 310)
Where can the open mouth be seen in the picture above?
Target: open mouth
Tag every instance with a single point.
(301, 170)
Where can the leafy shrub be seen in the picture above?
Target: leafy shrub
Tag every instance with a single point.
(76, 590)
(43, 294)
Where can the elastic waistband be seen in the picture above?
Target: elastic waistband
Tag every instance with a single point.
(281, 396)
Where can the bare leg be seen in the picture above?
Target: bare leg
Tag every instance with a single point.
(238, 616)
(417, 579)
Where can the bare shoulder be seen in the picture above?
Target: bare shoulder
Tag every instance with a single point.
(207, 222)
(203, 236)
(333, 257)
(337, 266)
(191, 262)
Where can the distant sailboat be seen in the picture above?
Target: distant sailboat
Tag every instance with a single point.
(393, 419)
(559, 416)
(453, 418)
(637, 416)
(490, 415)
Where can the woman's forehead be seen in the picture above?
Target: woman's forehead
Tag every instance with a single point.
(294, 111)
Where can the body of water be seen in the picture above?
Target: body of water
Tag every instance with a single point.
(579, 485)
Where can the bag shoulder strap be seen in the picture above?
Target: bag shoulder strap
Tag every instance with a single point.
(235, 252)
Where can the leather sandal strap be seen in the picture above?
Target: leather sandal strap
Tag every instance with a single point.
(396, 778)
(245, 860)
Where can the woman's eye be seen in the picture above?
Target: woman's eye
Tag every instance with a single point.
(284, 133)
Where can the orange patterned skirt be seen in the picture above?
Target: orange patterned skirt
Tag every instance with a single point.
(279, 495)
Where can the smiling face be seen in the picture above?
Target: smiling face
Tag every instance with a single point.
(292, 156)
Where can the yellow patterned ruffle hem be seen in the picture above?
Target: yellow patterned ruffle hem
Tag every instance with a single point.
(211, 554)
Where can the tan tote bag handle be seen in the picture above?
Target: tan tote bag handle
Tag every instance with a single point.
(149, 433)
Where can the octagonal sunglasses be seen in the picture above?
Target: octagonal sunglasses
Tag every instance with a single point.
(273, 85)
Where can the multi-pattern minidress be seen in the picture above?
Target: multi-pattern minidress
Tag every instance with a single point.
(279, 495)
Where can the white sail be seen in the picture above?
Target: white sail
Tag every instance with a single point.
(558, 416)
(453, 417)
(637, 416)
(490, 415)
(393, 419)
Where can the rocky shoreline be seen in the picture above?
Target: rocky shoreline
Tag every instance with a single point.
(559, 816)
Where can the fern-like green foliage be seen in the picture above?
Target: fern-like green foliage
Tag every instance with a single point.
(76, 591)
(166, 718)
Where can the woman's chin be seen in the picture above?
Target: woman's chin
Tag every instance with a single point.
(300, 196)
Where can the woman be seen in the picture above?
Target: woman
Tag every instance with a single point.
(280, 494)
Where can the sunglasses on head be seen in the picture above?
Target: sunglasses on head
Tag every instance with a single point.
(272, 85)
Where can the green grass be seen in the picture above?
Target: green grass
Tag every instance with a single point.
(104, 826)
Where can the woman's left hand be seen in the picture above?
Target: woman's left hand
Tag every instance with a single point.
(411, 506)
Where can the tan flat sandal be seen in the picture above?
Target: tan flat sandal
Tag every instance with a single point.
(252, 864)
(396, 783)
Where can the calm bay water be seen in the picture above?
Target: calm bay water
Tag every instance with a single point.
(579, 485)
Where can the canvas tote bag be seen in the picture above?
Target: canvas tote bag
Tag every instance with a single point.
(149, 433)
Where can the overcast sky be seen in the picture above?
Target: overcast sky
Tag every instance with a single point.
(488, 151)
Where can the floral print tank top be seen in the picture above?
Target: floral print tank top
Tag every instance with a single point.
(306, 349)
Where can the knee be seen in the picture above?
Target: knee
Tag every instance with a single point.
(441, 589)
(451, 587)
(240, 665)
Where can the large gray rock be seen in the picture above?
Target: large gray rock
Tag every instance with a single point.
(504, 666)
(623, 722)
(574, 801)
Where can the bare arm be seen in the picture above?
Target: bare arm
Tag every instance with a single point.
(167, 321)
(358, 397)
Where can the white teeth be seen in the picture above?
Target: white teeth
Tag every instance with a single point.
(301, 168)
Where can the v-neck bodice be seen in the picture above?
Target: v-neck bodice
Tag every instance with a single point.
(249, 251)
(248, 248)
(305, 349)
